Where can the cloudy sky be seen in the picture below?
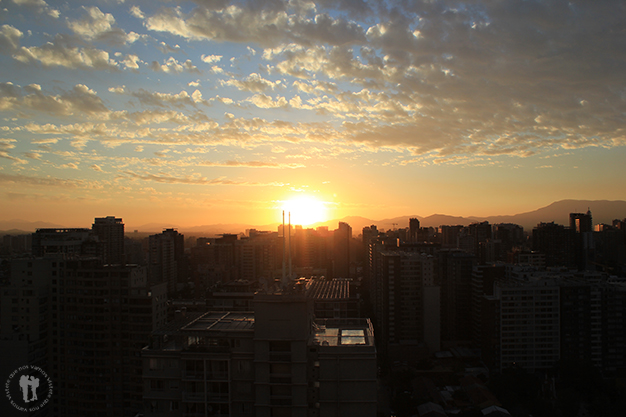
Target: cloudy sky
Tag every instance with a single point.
(215, 111)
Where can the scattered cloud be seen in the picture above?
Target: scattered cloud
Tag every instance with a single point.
(79, 100)
(254, 83)
(58, 53)
(171, 65)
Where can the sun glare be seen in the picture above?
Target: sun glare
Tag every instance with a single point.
(304, 210)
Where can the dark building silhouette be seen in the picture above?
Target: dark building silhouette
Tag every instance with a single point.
(110, 232)
(342, 238)
(581, 225)
(556, 242)
(450, 236)
(484, 278)
(166, 259)
(454, 276)
(85, 324)
(414, 228)
(511, 236)
(274, 361)
(72, 241)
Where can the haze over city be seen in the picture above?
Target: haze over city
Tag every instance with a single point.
(220, 112)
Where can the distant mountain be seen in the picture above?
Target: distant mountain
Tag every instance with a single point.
(602, 211)
(25, 226)
(151, 227)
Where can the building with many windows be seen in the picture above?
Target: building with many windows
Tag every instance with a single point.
(277, 361)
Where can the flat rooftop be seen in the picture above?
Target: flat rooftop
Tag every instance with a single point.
(347, 334)
(221, 321)
(329, 290)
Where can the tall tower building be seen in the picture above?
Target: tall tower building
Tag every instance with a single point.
(401, 312)
(529, 322)
(102, 316)
(414, 228)
(582, 226)
(556, 242)
(84, 324)
(166, 258)
(341, 255)
(454, 275)
(110, 231)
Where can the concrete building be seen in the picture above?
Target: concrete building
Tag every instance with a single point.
(166, 259)
(102, 316)
(556, 242)
(277, 361)
(529, 323)
(400, 305)
(25, 324)
(85, 324)
(75, 241)
(333, 299)
(454, 276)
(110, 232)
(342, 237)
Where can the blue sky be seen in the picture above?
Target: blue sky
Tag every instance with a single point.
(219, 112)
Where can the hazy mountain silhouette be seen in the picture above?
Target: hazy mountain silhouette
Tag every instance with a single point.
(19, 226)
(603, 211)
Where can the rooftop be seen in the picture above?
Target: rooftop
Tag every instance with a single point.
(221, 321)
(348, 332)
(329, 290)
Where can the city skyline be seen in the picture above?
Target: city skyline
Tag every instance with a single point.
(225, 112)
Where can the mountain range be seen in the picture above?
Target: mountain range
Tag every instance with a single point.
(603, 211)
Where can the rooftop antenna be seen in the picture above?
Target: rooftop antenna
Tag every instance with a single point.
(283, 280)
(290, 273)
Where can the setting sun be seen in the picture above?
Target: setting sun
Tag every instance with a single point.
(304, 210)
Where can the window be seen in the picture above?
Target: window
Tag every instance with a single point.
(155, 363)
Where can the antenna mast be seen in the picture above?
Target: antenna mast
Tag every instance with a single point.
(290, 273)
(282, 282)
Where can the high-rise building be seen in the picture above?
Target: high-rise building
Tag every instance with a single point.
(166, 259)
(102, 316)
(25, 321)
(84, 323)
(110, 231)
(556, 242)
(65, 241)
(341, 252)
(414, 228)
(399, 295)
(581, 225)
(454, 276)
(275, 361)
(530, 323)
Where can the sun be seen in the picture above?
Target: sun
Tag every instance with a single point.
(304, 210)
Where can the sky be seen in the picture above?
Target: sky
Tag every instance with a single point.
(216, 111)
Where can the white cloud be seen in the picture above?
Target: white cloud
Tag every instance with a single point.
(266, 102)
(40, 6)
(9, 38)
(93, 24)
(171, 65)
(254, 82)
(79, 100)
(131, 61)
(57, 54)
(211, 58)
(136, 11)
(121, 89)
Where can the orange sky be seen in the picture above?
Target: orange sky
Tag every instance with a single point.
(204, 114)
